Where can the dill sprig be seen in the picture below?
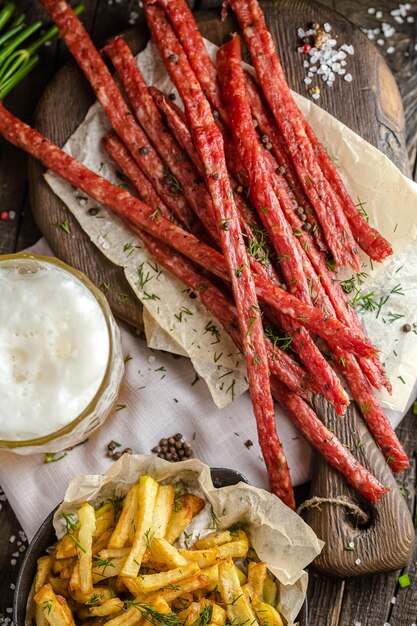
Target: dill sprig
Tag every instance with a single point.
(154, 616)
(283, 342)
(72, 526)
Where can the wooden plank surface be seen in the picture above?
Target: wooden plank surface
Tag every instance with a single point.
(367, 600)
(378, 120)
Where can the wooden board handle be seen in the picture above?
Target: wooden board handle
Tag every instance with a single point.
(385, 541)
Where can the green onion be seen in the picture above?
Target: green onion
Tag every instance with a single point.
(17, 62)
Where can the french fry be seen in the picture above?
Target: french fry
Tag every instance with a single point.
(129, 511)
(105, 519)
(60, 587)
(213, 540)
(270, 591)
(154, 582)
(101, 541)
(237, 607)
(148, 490)
(267, 615)
(235, 549)
(44, 567)
(87, 520)
(61, 564)
(182, 602)
(212, 574)
(188, 506)
(66, 547)
(103, 569)
(256, 578)
(113, 553)
(164, 507)
(218, 615)
(138, 611)
(163, 551)
(242, 577)
(182, 587)
(107, 608)
(54, 608)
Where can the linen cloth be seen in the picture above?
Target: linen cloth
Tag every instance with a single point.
(159, 397)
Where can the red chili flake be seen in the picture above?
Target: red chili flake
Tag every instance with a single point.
(4, 215)
(306, 48)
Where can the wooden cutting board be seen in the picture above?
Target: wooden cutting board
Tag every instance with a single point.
(372, 107)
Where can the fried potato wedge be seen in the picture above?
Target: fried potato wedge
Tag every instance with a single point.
(187, 507)
(213, 540)
(164, 552)
(54, 608)
(267, 615)
(109, 607)
(238, 608)
(256, 578)
(235, 549)
(147, 493)
(154, 582)
(270, 591)
(87, 520)
(164, 507)
(129, 511)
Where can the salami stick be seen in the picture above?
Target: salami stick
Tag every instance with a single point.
(372, 368)
(209, 144)
(269, 130)
(268, 206)
(148, 116)
(116, 109)
(143, 216)
(192, 42)
(377, 422)
(327, 444)
(334, 224)
(368, 238)
(300, 413)
(178, 126)
(280, 363)
(123, 159)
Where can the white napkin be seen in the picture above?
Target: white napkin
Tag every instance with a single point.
(158, 398)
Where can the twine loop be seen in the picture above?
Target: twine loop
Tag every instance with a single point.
(314, 503)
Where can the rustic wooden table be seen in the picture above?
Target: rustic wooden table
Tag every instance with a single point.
(370, 601)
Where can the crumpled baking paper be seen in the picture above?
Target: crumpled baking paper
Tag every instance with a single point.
(279, 536)
(175, 323)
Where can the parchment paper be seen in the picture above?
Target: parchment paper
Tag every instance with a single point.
(388, 197)
(278, 535)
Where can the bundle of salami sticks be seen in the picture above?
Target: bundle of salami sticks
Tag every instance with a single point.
(239, 200)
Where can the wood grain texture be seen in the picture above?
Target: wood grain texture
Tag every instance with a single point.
(332, 602)
(382, 544)
(379, 120)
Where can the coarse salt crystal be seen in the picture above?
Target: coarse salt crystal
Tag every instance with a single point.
(358, 623)
(399, 19)
(308, 80)
(301, 33)
(315, 96)
(327, 27)
(380, 42)
(371, 11)
(358, 562)
(12, 539)
(348, 78)
(351, 544)
(378, 15)
(390, 50)
(410, 19)
(306, 64)
(393, 600)
(415, 47)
